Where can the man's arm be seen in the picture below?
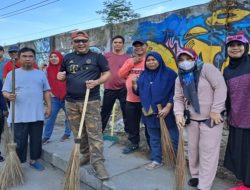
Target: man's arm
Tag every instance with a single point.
(93, 83)
(47, 98)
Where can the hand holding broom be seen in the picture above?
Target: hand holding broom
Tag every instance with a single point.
(167, 146)
(72, 176)
(12, 174)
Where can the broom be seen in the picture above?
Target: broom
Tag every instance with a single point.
(12, 174)
(180, 170)
(72, 176)
(166, 142)
(111, 137)
(6, 136)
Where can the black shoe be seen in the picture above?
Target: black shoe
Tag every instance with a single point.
(130, 149)
(1, 159)
(193, 182)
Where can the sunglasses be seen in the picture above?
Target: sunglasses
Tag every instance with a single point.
(238, 37)
(12, 52)
(79, 41)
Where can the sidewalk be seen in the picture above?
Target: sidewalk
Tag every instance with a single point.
(126, 171)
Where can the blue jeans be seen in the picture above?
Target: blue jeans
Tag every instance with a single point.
(153, 126)
(56, 105)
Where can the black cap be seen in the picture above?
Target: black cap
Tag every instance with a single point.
(1, 48)
(142, 42)
(13, 48)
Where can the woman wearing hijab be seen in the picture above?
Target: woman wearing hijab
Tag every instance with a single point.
(200, 92)
(237, 76)
(155, 86)
(58, 90)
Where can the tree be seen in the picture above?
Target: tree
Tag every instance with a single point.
(117, 11)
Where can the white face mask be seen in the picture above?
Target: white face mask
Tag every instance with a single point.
(186, 65)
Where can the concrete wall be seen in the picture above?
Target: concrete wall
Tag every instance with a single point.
(194, 27)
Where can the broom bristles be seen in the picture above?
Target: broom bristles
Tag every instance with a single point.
(180, 171)
(167, 146)
(12, 173)
(7, 138)
(72, 176)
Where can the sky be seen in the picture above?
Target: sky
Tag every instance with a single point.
(58, 16)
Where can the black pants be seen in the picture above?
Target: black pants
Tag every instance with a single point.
(134, 111)
(109, 99)
(33, 131)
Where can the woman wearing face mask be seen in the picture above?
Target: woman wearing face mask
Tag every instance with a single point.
(201, 91)
(156, 86)
(58, 89)
(237, 76)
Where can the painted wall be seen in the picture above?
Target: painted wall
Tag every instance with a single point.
(193, 27)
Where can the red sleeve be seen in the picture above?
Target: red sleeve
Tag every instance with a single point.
(36, 66)
(6, 70)
(125, 69)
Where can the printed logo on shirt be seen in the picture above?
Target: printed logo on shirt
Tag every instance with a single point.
(136, 71)
(73, 68)
(88, 61)
(71, 61)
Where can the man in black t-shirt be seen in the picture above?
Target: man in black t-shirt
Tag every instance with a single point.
(85, 69)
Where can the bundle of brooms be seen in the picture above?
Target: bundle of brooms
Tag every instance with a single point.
(11, 174)
(72, 176)
(180, 170)
(167, 146)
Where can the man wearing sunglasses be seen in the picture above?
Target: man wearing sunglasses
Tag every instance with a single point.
(84, 69)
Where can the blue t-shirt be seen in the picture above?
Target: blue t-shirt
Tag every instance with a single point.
(2, 63)
(29, 89)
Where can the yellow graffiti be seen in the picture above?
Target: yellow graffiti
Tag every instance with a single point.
(205, 51)
(167, 56)
(196, 31)
(219, 17)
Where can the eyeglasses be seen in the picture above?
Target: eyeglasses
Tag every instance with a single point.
(80, 41)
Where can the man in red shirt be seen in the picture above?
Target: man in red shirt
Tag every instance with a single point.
(13, 53)
(115, 87)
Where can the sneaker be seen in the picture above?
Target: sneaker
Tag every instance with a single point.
(101, 172)
(37, 166)
(130, 149)
(1, 159)
(193, 182)
(84, 161)
(64, 138)
(153, 165)
(45, 141)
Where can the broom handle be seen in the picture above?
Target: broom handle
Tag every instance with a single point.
(113, 120)
(13, 102)
(83, 112)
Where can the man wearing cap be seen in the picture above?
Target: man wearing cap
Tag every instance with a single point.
(84, 69)
(13, 53)
(115, 87)
(131, 70)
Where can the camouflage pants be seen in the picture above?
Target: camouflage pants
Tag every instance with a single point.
(91, 140)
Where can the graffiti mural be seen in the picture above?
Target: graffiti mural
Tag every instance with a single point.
(42, 47)
(204, 33)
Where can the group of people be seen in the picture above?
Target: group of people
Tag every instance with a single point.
(197, 97)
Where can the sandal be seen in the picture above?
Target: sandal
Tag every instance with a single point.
(153, 165)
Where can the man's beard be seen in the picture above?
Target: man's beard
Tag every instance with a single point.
(27, 66)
